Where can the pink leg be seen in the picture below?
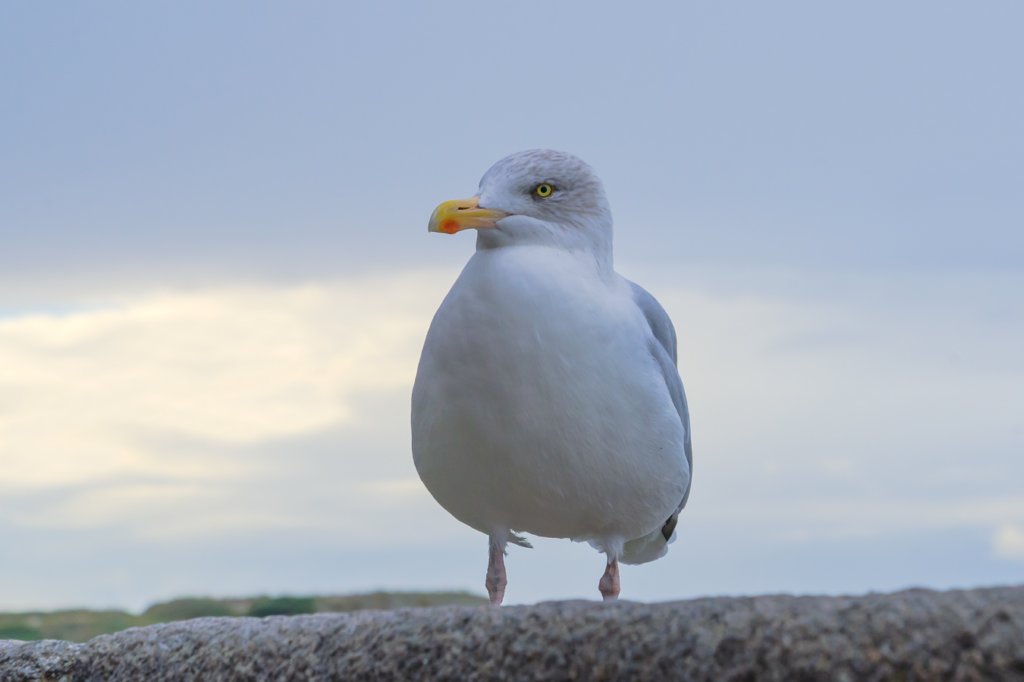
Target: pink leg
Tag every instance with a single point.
(496, 580)
(609, 584)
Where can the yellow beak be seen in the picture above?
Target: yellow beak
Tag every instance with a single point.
(459, 214)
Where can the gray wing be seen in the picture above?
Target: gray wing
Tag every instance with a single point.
(663, 348)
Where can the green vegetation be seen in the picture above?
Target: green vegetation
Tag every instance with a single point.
(183, 609)
(76, 626)
(283, 606)
(19, 632)
(81, 624)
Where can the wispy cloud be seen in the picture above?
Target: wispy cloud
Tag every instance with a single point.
(235, 365)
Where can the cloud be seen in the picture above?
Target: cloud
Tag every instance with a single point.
(235, 365)
(274, 413)
(1008, 542)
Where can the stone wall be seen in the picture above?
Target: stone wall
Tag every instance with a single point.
(912, 635)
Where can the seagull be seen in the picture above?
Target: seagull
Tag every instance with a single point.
(547, 399)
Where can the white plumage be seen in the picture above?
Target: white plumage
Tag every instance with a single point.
(547, 399)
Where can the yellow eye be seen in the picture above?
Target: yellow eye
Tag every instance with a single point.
(543, 190)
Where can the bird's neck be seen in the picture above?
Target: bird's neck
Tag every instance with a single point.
(584, 242)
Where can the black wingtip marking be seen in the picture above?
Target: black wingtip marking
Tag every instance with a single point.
(669, 527)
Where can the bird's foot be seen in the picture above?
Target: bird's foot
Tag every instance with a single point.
(496, 579)
(609, 584)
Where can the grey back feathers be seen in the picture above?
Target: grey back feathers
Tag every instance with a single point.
(663, 348)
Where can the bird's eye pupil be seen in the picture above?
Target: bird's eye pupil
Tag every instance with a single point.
(544, 190)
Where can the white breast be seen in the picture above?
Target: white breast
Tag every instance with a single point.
(538, 407)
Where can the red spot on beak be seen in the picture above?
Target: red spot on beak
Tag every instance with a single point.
(450, 226)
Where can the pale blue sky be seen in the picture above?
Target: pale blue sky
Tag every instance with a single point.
(828, 198)
(274, 138)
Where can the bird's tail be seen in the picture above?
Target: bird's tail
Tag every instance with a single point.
(652, 546)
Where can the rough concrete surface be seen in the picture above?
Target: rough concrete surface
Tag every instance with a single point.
(912, 635)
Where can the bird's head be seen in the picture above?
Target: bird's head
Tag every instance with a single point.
(538, 196)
